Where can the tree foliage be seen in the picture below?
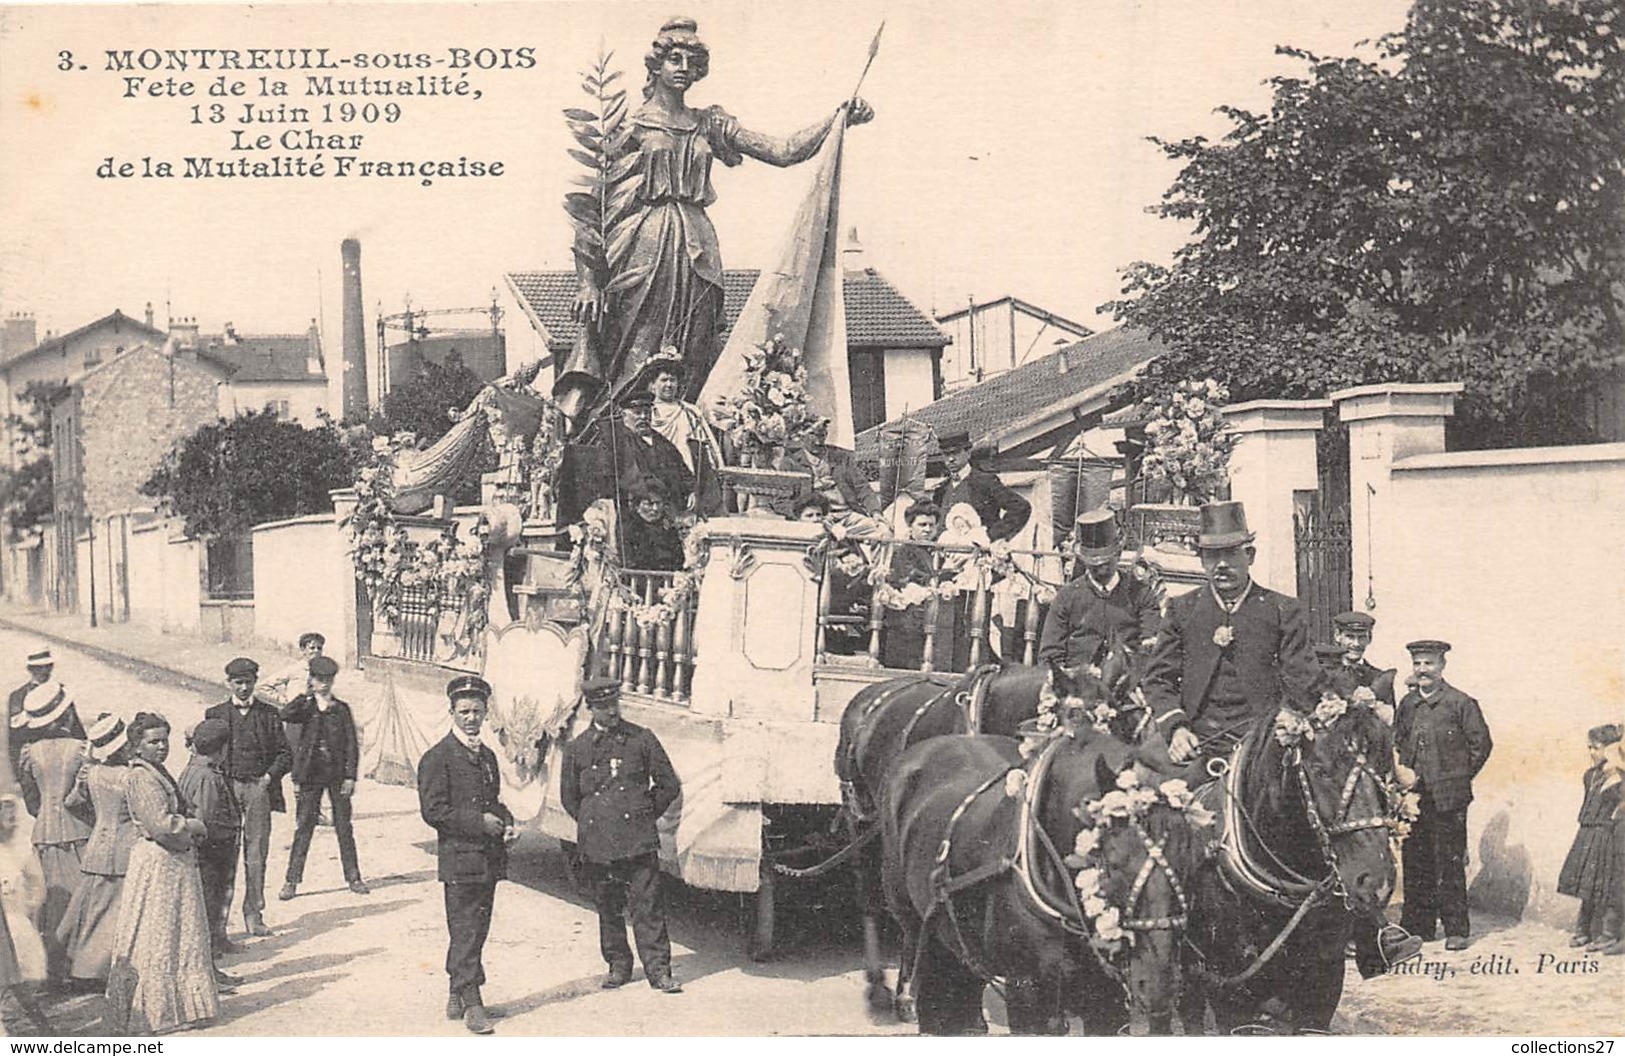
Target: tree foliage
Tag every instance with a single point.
(25, 492)
(422, 406)
(231, 475)
(1448, 209)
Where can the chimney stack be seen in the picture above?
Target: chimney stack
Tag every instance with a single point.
(149, 313)
(19, 334)
(354, 336)
(852, 252)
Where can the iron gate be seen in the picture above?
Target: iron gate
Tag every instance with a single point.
(1325, 566)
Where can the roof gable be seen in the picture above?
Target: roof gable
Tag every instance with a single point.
(115, 319)
(266, 357)
(877, 315)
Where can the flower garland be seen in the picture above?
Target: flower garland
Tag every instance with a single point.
(591, 542)
(1292, 729)
(1129, 801)
(1188, 442)
(1052, 706)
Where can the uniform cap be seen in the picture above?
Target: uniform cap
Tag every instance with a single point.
(637, 398)
(1354, 621)
(1428, 645)
(958, 440)
(601, 690)
(323, 667)
(468, 686)
(242, 667)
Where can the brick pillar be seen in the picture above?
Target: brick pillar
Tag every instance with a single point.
(1274, 458)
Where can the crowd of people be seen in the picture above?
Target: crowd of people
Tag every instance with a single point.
(127, 884)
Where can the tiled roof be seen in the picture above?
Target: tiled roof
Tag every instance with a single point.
(116, 319)
(265, 357)
(877, 316)
(1011, 400)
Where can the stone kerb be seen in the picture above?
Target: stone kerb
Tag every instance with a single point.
(1274, 458)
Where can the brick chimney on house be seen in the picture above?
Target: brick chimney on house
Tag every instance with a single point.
(354, 336)
(18, 334)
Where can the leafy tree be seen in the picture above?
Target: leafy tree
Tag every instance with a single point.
(422, 405)
(1448, 209)
(231, 475)
(25, 492)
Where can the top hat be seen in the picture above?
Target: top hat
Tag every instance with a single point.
(601, 690)
(323, 667)
(1224, 524)
(1095, 534)
(106, 736)
(1428, 645)
(468, 686)
(40, 656)
(958, 440)
(242, 667)
(1354, 621)
(44, 704)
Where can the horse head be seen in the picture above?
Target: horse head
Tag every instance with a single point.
(1338, 761)
(1136, 843)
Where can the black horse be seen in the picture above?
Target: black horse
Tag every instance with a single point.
(974, 842)
(1305, 858)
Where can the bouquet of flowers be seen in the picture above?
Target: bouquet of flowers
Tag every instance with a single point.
(1188, 442)
(770, 409)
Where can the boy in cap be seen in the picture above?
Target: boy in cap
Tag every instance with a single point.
(1352, 631)
(326, 757)
(1443, 742)
(458, 789)
(208, 789)
(616, 782)
(257, 757)
(1101, 604)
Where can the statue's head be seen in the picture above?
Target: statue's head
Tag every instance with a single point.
(677, 55)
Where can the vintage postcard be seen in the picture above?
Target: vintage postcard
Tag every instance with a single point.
(563, 518)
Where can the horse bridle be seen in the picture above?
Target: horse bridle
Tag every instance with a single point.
(1341, 824)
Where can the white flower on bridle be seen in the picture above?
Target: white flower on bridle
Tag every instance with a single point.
(1051, 705)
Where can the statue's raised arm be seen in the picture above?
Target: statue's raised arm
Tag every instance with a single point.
(647, 259)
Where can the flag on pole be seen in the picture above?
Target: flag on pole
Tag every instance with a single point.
(801, 297)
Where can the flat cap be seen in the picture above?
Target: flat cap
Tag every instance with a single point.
(468, 686)
(1354, 621)
(209, 736)
(323, 667)
(242, 667)
(1428, 645)
(601, 690)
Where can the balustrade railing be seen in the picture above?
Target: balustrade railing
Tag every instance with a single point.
(649, 653)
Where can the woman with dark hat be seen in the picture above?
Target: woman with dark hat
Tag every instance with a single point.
(662, 285)
(47, 769)
(90, 924)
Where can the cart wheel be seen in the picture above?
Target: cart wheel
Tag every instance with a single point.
(759, 928)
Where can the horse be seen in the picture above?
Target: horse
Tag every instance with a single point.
(883, 720)
(1304, 854)
(972, 839)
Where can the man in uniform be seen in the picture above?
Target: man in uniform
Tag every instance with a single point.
(1003, 512)
(458, 789)
(1352, 631)
(1443, 743)
(1230, 655)
(615, 783)
(257, 757)
(1101, 604)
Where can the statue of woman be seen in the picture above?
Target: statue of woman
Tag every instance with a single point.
(665, 282)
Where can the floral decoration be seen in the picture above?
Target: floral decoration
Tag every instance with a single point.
(1223, 635)
(1188, 441)
(590, 539)
(1291, 728)
(770, 409)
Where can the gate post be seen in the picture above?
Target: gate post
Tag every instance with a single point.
(1274, 458)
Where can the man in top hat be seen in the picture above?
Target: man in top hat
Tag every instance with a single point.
(40, 665)
(1100, 605)
(1443, 742)
(616, 782)
(1003, 512)
(257, 757)
(1352, 631)
(458, 790)
(637, 452)
(326, 757)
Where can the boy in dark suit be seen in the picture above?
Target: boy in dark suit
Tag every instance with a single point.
(205, 785)
(458, 789)
(1443, 743)
(326, 756)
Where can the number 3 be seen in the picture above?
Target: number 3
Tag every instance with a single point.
(64, 60)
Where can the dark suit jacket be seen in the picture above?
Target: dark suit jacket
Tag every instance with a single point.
(1446, 741)
(1271, 649)
(273, 740)
(1003, 512)
(631, 459)
(616, 783)
(456, 787)
(848, 478)
(343, 747)
(1080, 619)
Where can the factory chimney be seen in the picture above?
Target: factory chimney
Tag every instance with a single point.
(354, 336)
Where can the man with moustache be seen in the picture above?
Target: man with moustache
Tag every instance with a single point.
(1100, 605)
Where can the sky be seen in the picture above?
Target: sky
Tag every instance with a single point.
(1008, 156)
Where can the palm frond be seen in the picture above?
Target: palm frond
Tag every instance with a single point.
(604, 213)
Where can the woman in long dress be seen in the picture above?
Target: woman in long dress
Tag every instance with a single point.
(664, 281)
(162, 975)
(47, 768)
(90, 925)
